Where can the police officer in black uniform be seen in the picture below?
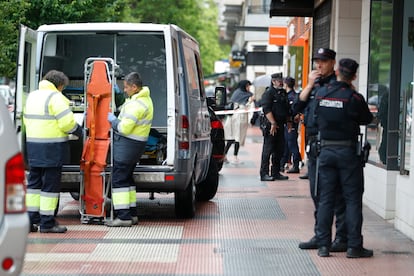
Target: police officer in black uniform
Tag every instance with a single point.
(322, 75)
(339, 112)
(291, 131)
(275, 106)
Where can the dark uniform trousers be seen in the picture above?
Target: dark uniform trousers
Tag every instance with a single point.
(291, 147)
(340, 164)
(127, 153)
(339, 209)
(47, 180)
(273, 147)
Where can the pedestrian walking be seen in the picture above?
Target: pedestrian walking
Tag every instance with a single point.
(340, 111)
(131, 131)
(235, 126)
(322, 75)
(48, 122)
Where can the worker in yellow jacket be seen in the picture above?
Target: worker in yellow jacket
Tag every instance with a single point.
(131, 131)
(48, 121)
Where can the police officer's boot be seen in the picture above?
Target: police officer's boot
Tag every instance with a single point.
(277, 175)
(294, 169)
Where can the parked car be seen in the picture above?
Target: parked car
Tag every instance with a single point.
(14, 221)
(217, 138)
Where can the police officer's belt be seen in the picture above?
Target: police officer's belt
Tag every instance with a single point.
(344, 143)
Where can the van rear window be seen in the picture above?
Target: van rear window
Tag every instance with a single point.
(143, 52)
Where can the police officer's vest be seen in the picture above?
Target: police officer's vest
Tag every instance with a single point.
(309, 112)
(280, 106)
(332, 113)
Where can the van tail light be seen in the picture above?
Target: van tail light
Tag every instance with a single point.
(15, 188)
(217, 124)
(183, 143)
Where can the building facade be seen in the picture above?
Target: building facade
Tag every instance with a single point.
(379, 34)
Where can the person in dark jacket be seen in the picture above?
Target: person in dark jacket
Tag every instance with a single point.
(339, 112)
(322, 75)
(291, 152)
(276, 110)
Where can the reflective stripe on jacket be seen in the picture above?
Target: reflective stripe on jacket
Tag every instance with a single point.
(47, 116)
(136, 115)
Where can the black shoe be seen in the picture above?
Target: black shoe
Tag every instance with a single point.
(54, 229)
(293, 170)
(266, 178)
(280, 177)
(339, 246)
(120, 223)
(306, 176)
(323, 251)
(311, 244)
(359, 253)
(33, 228)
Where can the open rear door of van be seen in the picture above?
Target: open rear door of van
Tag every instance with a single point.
(27, 77)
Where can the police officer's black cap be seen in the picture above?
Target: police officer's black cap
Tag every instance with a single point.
(289, 81)
(348, 66)
(277, 76)
(324, 54)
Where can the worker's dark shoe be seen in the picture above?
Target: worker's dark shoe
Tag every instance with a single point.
(134, 220)
(323, 251)
(280, 177)
(305, 176)
(293, 170)
(54, 229)
(339, 246)
(119, 223)
(33, 228)
(359, 253)
(266, 178)
(311, 244)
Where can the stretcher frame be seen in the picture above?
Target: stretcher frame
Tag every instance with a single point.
(102, 199)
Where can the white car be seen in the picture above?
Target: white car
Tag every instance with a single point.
(14, 220)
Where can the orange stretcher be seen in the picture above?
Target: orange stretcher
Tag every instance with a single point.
(93, 164)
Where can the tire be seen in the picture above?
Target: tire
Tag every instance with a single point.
(185, 201)
(207, 189)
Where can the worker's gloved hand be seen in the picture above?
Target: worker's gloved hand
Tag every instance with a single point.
(116, 89)
(111, 117)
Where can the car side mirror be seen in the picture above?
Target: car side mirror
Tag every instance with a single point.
(220, 97)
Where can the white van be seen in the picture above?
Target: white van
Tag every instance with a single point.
(169, 62)
(14, 221)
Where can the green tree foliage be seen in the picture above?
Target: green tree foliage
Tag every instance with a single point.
(197, 17)
(13, 13)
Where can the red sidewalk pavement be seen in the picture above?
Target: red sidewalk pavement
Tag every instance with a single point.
(250, 228)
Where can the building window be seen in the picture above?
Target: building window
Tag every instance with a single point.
(379, 72)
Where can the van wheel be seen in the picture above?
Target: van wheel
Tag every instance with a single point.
(207, 189)
(185, 201)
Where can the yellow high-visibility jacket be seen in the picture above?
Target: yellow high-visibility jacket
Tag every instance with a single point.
(136, 116)
(48, 120)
